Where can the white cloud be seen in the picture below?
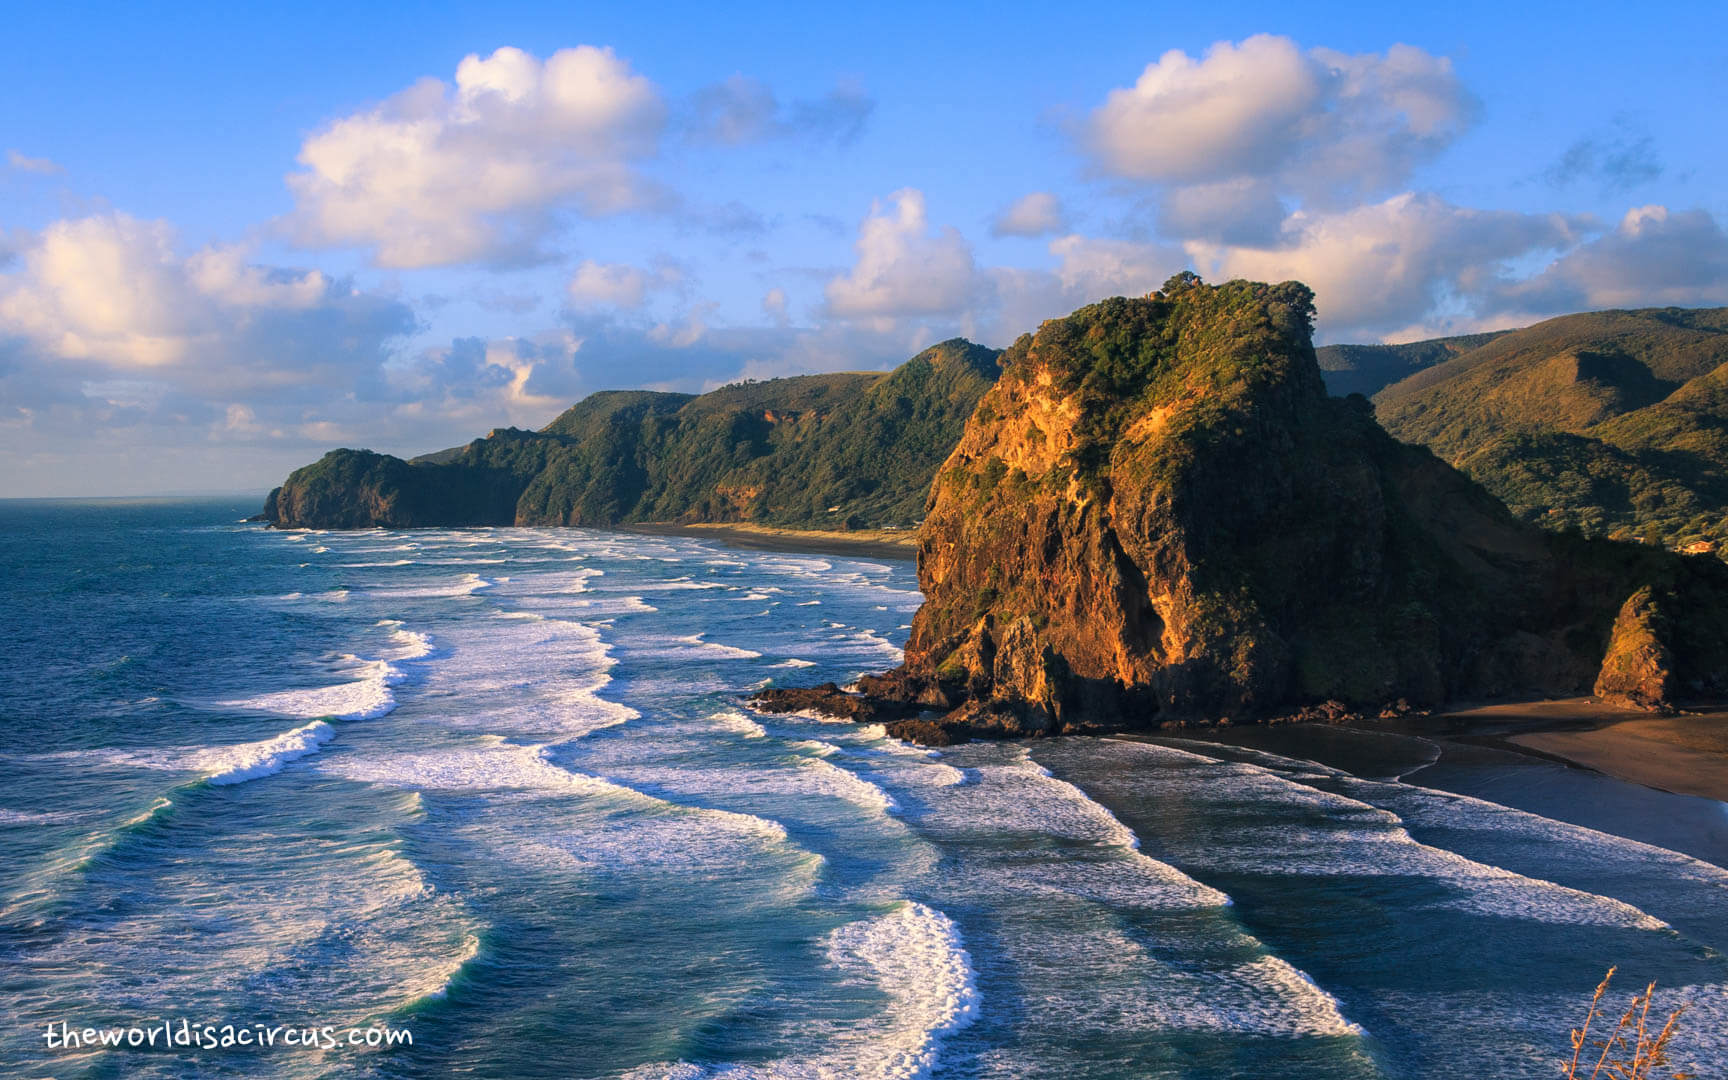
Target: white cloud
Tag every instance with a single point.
(40, 166)
(776, 306)
(437, 174)
(1655, 257)
(1384, 266)
(617, 284)
(1091, 268)
(110, 291)
(1246, 210)
(903, 269)
(1252, 122)
(1088, 269)
(1037, 214)
(106, 326)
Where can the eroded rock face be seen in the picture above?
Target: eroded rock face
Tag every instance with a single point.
(1158, 514)
(1638, 670)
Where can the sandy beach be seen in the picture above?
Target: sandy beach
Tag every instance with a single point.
(1686, 754)
(867, 543)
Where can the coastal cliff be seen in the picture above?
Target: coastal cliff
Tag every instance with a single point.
(842, 451)
(1158, 514)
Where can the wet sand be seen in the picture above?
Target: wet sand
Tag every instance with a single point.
(864, 543)
(1685, 754)
(1449, 757)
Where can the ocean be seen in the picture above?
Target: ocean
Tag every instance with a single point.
(497, 788)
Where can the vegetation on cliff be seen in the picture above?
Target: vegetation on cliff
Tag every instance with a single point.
(1611, 423)
(1159, 513)
(847, 450)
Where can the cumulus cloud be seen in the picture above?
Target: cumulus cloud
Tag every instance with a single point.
(1654, 257)
(617, 284)
(745, 110)
(110, 292)
(1037, 214)
(1380, 267)
(106, 326)
(903, 269)
(443, 174)
(1087, 269)
(40, 166)
(1246, 210)
(776, 306)
(1252, 122)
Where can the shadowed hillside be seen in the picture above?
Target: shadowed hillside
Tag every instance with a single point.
(847, 450)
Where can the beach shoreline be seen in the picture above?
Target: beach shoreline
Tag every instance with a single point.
(864, 543)
(1683, 754)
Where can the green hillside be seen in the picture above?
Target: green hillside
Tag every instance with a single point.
(846, 450)
(1611, 422)
(1368, 369)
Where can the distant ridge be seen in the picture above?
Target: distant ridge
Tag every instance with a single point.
(837, 451)
(1610, 422)
(1368, 369)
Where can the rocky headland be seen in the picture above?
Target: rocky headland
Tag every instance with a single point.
(1157, 515)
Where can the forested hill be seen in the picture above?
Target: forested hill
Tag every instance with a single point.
(847, 450)
(1610, 422)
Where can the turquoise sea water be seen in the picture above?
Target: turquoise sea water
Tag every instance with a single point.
(496, 787)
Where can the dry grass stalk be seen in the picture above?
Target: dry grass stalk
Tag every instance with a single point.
(1631, 1051)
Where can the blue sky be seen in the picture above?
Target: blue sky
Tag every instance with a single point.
(231, 239)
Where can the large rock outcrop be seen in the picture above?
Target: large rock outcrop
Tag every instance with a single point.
(1158, 514)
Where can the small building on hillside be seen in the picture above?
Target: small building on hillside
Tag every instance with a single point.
(1699, 547)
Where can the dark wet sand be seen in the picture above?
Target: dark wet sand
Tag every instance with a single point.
(1456, 755)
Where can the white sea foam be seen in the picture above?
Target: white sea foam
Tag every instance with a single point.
(802, 776)
(470, 949)
(525, 674)
(880, 645)
(831, 779)
(248, 761)
(693, 647)
(364, 698)
(1324, 833)
(410, 644)
(40, 817)
(913, 955)
(794, 662)
(917, 957)
(738, 724)
(466, 585)
(635, 830)
(682, 584)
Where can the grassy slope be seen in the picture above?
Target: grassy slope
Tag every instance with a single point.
(1613, 422)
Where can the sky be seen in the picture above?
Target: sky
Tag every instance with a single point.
(233, 237)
